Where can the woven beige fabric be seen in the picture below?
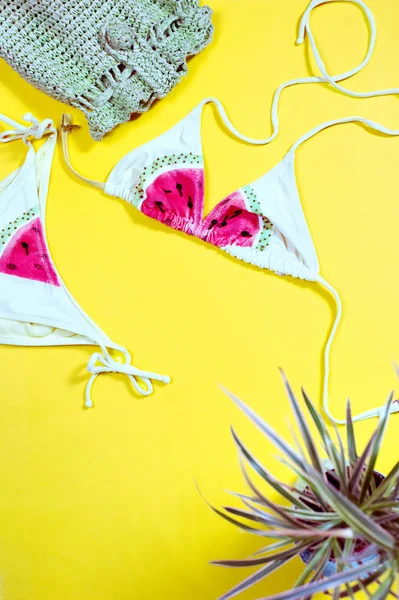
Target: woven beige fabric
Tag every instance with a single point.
(110, 58)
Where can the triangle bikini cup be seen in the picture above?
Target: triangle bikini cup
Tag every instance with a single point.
(261, 223)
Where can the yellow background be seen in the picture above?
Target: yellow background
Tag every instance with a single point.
(102, 504)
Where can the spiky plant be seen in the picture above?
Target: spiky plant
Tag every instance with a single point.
(342, 519)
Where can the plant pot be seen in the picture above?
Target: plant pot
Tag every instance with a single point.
(360, 546)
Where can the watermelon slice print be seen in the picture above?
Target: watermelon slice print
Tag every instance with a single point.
(26, 255)
(176, 199)
(231, 223)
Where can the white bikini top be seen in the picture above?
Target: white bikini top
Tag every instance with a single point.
(261, 223)
(36, 308)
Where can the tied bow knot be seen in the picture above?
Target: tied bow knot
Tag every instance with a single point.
(104, 363)
(36, 130)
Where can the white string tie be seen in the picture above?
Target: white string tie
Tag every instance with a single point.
(104, 363)
(305, 30)
(369, 414)
(37, 129)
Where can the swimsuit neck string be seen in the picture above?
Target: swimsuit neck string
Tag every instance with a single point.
(305, 29)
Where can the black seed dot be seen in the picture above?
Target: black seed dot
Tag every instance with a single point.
(179, 188)
(235, 214)
(245, 234)
(160, 206)
(167, 191)
(37, 266)
(11, 266)
(223, 223)
(190, 202)
(213, 223)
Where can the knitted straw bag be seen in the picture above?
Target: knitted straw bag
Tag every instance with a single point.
(110, 58)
